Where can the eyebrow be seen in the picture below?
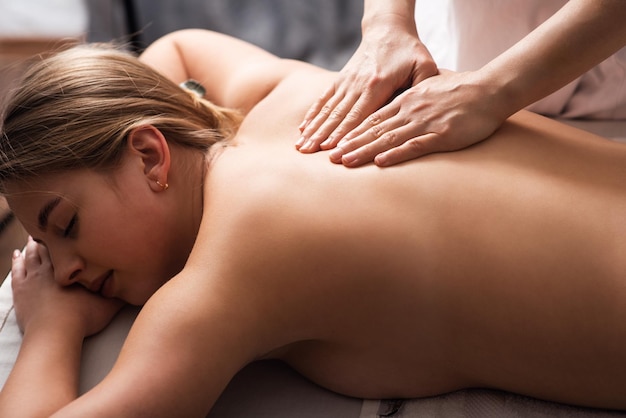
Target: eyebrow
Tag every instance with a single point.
(45, 211)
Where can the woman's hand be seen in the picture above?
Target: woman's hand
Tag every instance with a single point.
(390, 57)
(54, 320)
(39, 300)
(446, 112)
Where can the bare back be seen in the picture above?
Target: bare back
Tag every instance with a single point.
(499, 266)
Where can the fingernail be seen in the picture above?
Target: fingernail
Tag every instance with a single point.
(335, 153)
(16, 254)
(308, 145)
(303, 125)
(380, 160)
(349, 159)
(300, 142)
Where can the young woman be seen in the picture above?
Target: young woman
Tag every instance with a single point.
(499, 266)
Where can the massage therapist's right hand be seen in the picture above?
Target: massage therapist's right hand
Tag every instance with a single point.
(40, 301)
(390, 57)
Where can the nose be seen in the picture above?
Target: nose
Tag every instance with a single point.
(67, 267)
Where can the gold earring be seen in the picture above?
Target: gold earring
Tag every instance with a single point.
(162, 186)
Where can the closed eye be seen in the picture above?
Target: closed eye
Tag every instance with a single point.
(70, 230)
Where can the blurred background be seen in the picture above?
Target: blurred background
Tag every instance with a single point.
(323, 32)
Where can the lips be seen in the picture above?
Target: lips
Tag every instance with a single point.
(98, 285)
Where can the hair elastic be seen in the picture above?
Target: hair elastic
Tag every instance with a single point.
(194, 86)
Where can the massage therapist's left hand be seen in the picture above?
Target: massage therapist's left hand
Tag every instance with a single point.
(446, 112)
(390, 58)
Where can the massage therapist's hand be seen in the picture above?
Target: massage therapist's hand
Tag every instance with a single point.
(40, 301)
(390, 57)
(446, 112)
(452, 111)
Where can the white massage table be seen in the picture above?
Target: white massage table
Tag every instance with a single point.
(271, 389)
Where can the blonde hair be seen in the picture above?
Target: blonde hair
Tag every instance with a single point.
(76, 108)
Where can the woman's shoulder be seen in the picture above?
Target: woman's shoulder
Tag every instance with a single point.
(283, 105)
(242, 196)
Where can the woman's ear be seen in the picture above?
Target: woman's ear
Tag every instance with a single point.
(150, 146)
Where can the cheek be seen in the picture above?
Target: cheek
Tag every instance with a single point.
(133, 228)
(124, 249)
(142, 249)
(136, 243)
(111, 244)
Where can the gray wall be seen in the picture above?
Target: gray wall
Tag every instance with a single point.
(324, 32)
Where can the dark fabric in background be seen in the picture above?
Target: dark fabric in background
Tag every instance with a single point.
(323, 32)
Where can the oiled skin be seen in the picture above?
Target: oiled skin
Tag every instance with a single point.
(498, 266)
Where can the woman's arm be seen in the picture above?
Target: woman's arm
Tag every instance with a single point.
(45, 375)
(188, 341)
(234, 73)
(55, 321)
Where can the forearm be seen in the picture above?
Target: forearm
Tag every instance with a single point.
(579, 36)
(45, 375)
(171, 364)
(376, 11)
(164, 56)
(234, 73)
